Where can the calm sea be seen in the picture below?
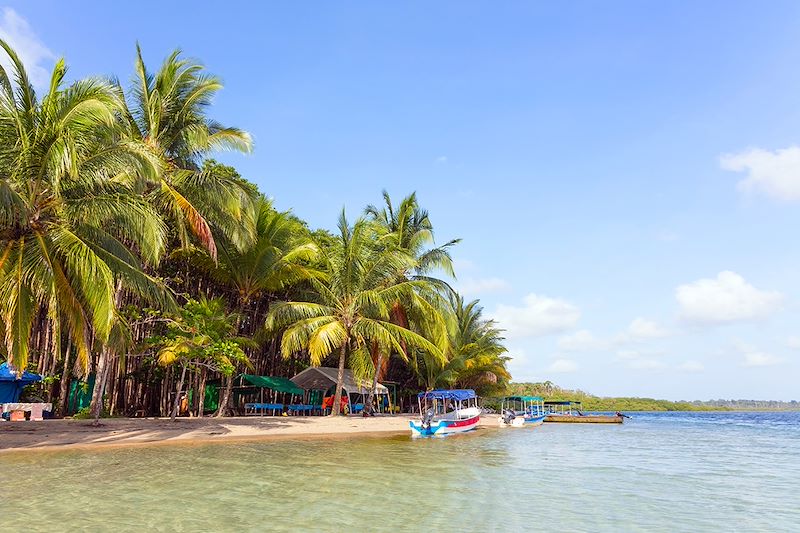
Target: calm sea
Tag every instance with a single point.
(657, 472)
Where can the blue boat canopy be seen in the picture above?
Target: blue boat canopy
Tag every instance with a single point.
(456, 394)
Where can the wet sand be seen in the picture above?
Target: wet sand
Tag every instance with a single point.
(57, 434)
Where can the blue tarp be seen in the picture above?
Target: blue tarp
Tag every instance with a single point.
(11, 387)
(456, 394)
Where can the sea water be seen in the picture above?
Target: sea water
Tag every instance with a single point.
(657, 472)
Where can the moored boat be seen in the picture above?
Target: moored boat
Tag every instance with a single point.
(445, 412)
(570, 412)
(519, 411)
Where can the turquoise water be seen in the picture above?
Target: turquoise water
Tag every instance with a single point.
(657, 472)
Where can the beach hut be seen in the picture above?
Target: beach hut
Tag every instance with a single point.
(12, 383)
(322, 378)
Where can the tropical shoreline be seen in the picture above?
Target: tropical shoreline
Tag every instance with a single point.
(50, 435)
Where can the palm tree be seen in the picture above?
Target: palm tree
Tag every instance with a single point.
(70, 222)
(407, 227)
(167, 114)
(351, 311)
(279, 258)
(475, 351)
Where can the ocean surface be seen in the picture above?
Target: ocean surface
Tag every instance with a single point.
(657, 472)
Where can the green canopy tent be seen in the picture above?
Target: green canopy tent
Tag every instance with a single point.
(278, 386)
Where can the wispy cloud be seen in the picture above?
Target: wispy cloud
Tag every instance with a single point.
(538, 316)
(470, 286)
(755, 357)
(581, 341)
(36, 57)
(776, 174)
(691, 366)
(563, 366)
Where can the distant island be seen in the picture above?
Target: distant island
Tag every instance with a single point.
(551, 391)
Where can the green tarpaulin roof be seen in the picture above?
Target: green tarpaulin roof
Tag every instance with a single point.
(273, 382)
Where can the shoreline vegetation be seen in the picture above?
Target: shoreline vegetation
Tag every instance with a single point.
(550, 391)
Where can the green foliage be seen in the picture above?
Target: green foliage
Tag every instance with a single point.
(201, 336)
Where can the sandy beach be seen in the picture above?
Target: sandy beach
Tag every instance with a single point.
(68, 433)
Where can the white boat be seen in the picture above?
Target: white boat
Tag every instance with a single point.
(520, 411)
(445, 412)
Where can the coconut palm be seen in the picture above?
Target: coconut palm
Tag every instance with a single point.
(352, 308)
(279, 258)
(475, 351)
(407, 227)
(70, 223)
(168, 112)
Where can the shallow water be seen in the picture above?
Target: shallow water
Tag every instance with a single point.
(657, 472)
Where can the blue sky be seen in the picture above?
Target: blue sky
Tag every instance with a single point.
(625, 176)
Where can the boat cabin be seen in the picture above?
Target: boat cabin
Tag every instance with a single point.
(524, 405)
(458, 402)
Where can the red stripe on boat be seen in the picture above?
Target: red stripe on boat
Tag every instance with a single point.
(461, 423)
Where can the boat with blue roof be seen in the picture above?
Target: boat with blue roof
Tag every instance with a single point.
(445, 412)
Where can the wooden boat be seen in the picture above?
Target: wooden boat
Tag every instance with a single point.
(584, 419)
(445, 412)
(521, 411)
(570, 412)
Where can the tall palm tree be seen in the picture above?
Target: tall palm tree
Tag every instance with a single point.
(279, 258)
(475, 351)
(407, 227)
(351, 311)
(70, 222)
(166, 112)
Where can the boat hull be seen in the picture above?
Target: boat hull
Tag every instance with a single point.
(443, 427)
(523, 421)
(588, 419)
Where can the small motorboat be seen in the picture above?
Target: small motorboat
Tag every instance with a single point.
(445, 412)
(520, 411)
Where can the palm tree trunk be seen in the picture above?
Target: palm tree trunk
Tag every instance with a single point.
(101, 375)
(63, 408)
(371, 396)
(226, 397)
(337, 397)
(201, 393)
(177, 403)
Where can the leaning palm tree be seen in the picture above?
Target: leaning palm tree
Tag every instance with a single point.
(71, 225)
(351, 310)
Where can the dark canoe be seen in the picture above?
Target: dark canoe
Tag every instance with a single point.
(587, 419)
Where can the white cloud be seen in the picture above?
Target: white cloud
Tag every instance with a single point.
(562, 366)
(630, 355)
(755, 357)
(761, 359)
(641, 328)
(478, 286)
(774, 174)
(442, 159)
(726, 298)
(691, 366)
(16, 31)
(646, 364)
(793, 343)
(581, 341)
(540, 315)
